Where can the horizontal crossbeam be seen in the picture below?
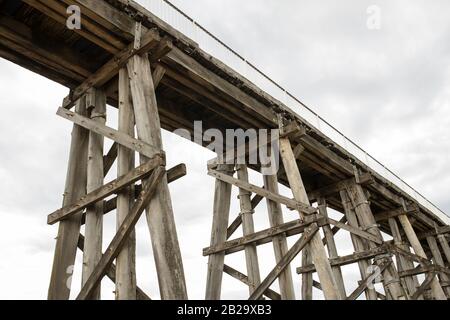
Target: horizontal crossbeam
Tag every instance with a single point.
(115, 135)
(290, 203)
(107, 190)
(264, 236)
(345, 260)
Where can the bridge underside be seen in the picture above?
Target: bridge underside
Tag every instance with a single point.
(190, 85)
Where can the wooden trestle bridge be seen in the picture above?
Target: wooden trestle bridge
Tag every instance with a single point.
(127, 58)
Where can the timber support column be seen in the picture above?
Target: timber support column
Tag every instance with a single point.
(358, 244)
(96, 107)
(436, 288)
(411, 283)
(279, 242)
(248, 227)
(318, 253)
(366, 219)
(438, 260)
(221, 212)
(69, 229)
(331, 246)
(126, 260)
(160, 218)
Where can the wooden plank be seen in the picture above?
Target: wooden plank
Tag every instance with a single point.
(122, 234)
(269, 293)
(149, 41)
(306, 237)
(221, 211)
(290, 203)
(96, 103)
(119, 137)
(68, 230)
(439, 261)
(107, 190)
(264, 236)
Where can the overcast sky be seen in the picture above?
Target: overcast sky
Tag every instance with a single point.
(388, 89)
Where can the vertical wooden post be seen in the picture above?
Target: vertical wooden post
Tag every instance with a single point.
(366, 219)
(307, 277)
(279, 242)
(96, 107)
(69, 229)
(318, 252)
(126, 260)
(160, 218)
(445, 246)
(358, 244)
(411, 283)
(437, 258)
(331, 246)
(251, 255)
(436, 289)
(221, 213)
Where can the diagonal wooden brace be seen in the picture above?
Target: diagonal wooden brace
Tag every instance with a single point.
(122, 233)
(107, 190)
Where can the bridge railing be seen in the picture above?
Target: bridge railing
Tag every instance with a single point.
(169, 13)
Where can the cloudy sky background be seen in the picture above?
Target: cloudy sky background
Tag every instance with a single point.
(387, 89)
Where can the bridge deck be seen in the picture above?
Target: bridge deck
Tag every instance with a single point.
(196, 86)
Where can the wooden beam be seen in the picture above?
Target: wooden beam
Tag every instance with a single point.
(119, 137)
(306, 237)
(264, 236)
(149, 41)
(122, 234)
(238, 221)
(436, 289)
(338, 186)
(221, 212)
(349, 259)
(365, 283)
(248, 228)
(357, 231)
(425, 285)
(126, 259)
(290, 203)
(96, 104)
(68, 230)
(244, 279)
(318, 253)
(279, 243)
(107, 190)
(110, 158)
(111, 273)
